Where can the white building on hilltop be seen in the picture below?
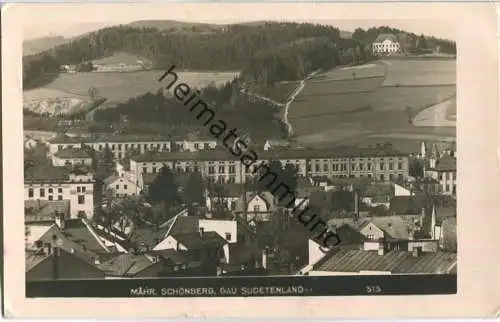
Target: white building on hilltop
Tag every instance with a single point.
(386, 44)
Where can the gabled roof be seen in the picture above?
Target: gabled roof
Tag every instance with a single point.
(408, 204)
(181, 224)
(72, 153)
(196, 240)
(349, 236)
(44, 209)
(384, 37)
(34, 259)
(394, 227)
(396, 262)
(266, 196)
(446, 163)
(171, 256)
(228, 190)
(126, 264)
(148, 236)
(81, 233)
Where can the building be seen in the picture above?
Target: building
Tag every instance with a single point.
(54, 263)
(348, 261)
(444, 170)
(256, 206)
(121, 186)
(71, 157)
(45, 211)
(121, 145)
(53, 183)
(386, 44)
(380, 163)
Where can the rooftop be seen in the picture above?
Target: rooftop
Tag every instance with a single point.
(446, 163)
(408, 204)
(396, 262)
(223, 154)
(72, 153)
(196, 240)
(127, 264)
(384, 37)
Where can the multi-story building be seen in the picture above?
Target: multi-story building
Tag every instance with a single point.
(71, 157)
(386, 44)
(133, 144)
(444, 171)
(380, 163)
(51, 183)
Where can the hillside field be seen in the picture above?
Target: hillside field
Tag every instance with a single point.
(335, 107)
(119, 87)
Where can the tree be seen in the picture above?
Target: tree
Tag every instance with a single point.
(92, 92)
(164, 189)
(195, 188)
(289, 176)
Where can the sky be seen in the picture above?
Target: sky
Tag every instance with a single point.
(74, 19)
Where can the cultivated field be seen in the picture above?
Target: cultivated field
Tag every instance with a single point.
(364, 108)
(420, 72)
(119, 87)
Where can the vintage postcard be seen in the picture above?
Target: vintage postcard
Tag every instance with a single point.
(250, 160)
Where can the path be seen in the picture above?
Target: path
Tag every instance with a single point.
(435, 115)
(291, 99)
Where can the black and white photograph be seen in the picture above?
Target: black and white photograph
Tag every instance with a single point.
(239, 157)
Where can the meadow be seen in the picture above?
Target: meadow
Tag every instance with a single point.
(119, 87)
(336, 107)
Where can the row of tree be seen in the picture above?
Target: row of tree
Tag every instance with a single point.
(409, 42)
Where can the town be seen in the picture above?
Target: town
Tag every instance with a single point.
(198, 211)
(119, 186)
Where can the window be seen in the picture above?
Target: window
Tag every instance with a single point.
(391, 166)
(228, 236)
(125, 186)
(256, 208)
(59, 190)
(81, 200)
(369, 166)
(59, 197)
(454, 176)
(196, 146)
(232, 179)
(381, 166)
(119, 146)
(154, 170)
(117, 187)
(83, 189)
(42, 192)
(232, 169)
(370, 236)
(50, 190)
(221, 169)
(400, 165)
(51, 198)
(317, 168)
(30, 192)
(325, 167)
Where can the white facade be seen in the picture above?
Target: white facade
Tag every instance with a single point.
(194, 146)
(123, 187)
(372, 232)
(78, 189)
(225, 228)
(257, 204)
(171, 243)
(386, 47)
(62, 162)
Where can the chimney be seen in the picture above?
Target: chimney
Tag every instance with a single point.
(356, 203)
(60, 220)
(202, 232)
(55, 263)
(381, 249)
(264, 258)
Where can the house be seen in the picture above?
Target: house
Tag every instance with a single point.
(57, 183)
(348, 261)
(71, 157)
(150, 264)
(246, 259)
(29, 143)
(255, 206)
(121, 186)
(208, 247)
(53, 263)
(386, 44)
(225, 228)
(224, 195)
(412, 208)
(276, 144)
(392, 229)
(376, 195)
(45, 211)
(444, 170)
